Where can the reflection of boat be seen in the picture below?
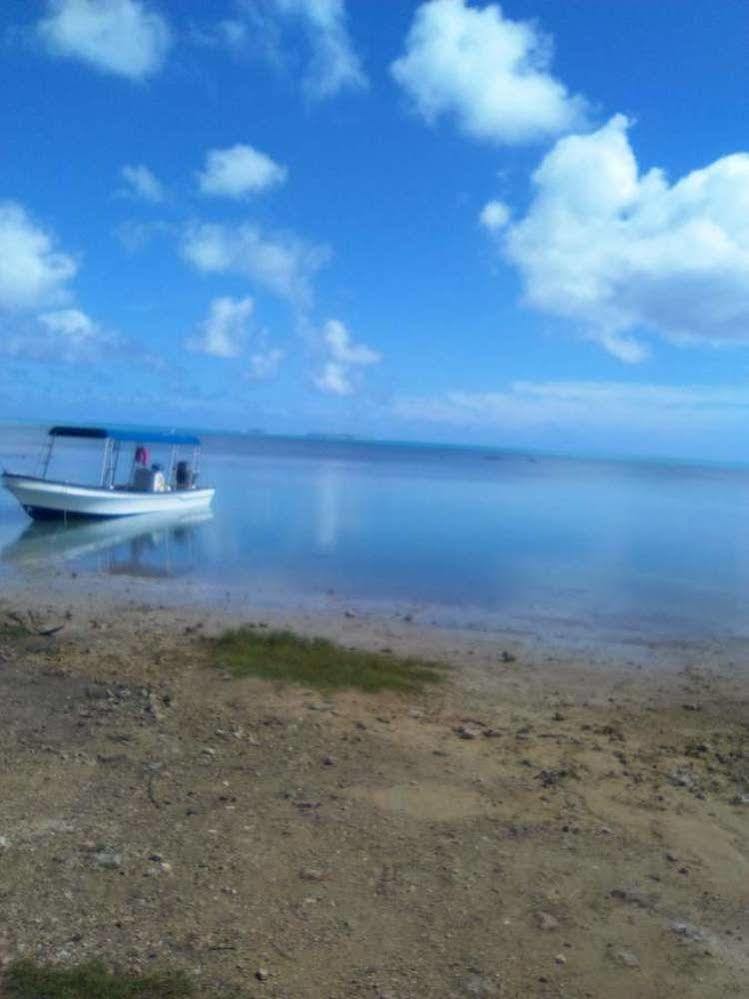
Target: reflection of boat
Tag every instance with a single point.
(45, 542)
(148, 489)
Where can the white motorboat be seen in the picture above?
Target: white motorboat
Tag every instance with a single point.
(148, 490)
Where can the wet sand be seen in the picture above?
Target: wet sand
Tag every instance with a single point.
(544, 823)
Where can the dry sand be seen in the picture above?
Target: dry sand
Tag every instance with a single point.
(534, 827)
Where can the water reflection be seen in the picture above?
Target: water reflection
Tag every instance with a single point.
(329, 488)
(158, 546)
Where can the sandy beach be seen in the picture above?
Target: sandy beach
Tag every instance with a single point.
(534, 826)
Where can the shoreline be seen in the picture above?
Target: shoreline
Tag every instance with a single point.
(536, 825)
(618, 645)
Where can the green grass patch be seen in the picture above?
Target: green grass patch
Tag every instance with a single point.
(12, 632)
(28, 980)
(12, 626)
(316, 662)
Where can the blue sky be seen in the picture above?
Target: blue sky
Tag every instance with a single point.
(521, 225)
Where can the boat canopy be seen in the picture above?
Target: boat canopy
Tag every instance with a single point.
(134, 435)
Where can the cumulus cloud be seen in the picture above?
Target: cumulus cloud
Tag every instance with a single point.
(142, 184)
(572, 406)
(343, 355)
(494, 215)
(124, 37)
(283, 263)
(33, 272)
(489, 74)
(38, 317)
(224, 332)
(620, 252)
(238, 171)
(264, 364)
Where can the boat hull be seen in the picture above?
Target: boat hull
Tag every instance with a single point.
(45, 500)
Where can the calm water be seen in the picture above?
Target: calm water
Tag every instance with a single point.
(454, 535)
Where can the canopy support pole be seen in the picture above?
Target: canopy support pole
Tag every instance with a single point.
(112, 470)
(45, 457)
(105, 462)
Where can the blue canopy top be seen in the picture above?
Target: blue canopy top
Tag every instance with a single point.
(134, 435)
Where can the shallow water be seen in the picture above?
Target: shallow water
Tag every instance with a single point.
(472, 535)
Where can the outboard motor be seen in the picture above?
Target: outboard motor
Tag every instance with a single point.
(183, 475)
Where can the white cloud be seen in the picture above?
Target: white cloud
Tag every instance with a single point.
(271, 30)
(583, 406)
(494, 215)
(37, 318)
(338, 341)
(142, 183)
(334, 65)
(620, 252)
(239, 170)
(124, 37)
(72, 324)
(343, 355)
(63, 335)
(334, 380)
(490, 74)
(281, 262)
(33, 273)
(224, 332)
(264, 364)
